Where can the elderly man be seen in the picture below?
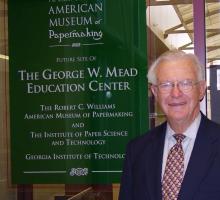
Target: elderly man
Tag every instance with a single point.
(180, 159)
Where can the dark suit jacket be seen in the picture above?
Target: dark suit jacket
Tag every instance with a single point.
(141, 179)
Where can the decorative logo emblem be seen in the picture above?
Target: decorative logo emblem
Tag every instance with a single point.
(79, 172)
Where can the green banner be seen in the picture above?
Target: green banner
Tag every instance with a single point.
(77, 88)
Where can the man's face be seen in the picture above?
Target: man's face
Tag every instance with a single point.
(179, 105)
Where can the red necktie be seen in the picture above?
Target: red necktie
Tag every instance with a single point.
(174, 170)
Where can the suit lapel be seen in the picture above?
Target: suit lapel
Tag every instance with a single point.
(154, 163)
(203, 153)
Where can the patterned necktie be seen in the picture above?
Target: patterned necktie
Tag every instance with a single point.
(174, 170)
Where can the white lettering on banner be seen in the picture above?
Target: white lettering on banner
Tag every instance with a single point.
(111, 114)
(120, 72)
(77, 8)
(107, 133)
(100, 86)
(58, 134)
(38, 116)
(67, 156)
(49, 74)
(70, 21)
(105, 156)
(38, 157)
(68, 115)
(100, 106)
(95, 35)
(92, 134)
(55, 88)
(94, 72)
(70, 142)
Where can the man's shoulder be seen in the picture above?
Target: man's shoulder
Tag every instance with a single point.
(209, 130)
(210, 124)
(148, 138)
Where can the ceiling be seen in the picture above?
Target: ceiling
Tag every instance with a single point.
(173, 25)
(177, 30)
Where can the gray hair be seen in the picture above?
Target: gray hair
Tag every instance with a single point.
(175, 55)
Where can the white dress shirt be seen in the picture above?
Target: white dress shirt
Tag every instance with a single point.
(187, 143)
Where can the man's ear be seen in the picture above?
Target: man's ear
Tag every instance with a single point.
(202, 89)
(154, 90)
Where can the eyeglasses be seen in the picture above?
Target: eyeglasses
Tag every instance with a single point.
(184, 85)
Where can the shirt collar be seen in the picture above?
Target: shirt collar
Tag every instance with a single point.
(190, 132)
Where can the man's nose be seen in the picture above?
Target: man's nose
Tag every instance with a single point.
(176, 91)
